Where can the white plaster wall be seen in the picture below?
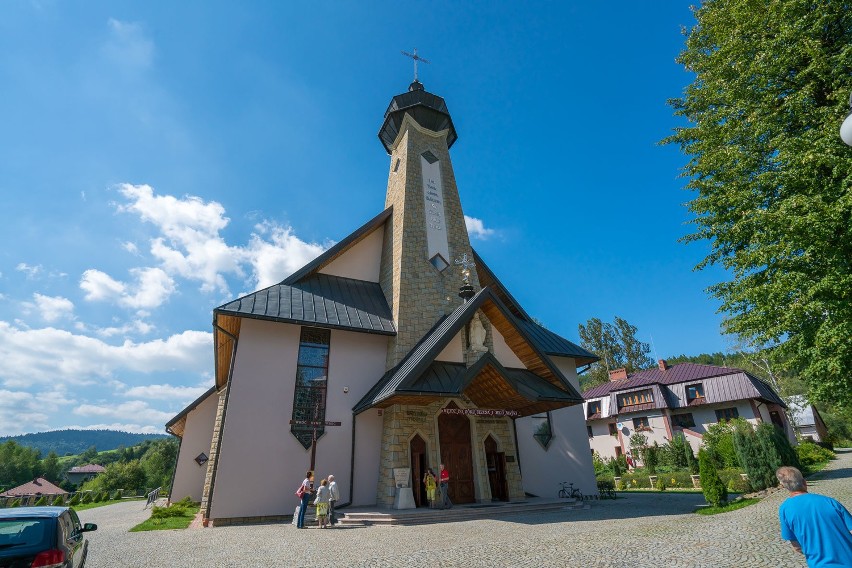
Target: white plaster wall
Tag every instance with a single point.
(368, 441)
(503, 352)
(568, 457)
(602, 442)
(261, 462)
(360, 262)
(197, 437)
(453, 352)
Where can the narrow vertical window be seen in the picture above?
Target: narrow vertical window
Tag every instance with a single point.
(311, 383)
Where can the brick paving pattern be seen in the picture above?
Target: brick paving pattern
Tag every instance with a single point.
(639, 530)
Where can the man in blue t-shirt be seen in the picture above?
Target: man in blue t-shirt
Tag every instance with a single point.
(817, 526)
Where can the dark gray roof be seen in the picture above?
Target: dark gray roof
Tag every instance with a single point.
(546, 340)
(428, 110)
(192, 405)
(416, 370)
(321, 300)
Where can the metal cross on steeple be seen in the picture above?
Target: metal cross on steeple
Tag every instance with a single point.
(466, 265)
(416, 58)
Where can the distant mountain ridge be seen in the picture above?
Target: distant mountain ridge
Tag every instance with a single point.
(78, 441)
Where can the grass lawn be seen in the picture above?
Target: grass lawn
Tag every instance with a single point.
(667, 490)
(174, 521)
(732, 506)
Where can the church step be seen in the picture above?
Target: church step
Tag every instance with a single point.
(460, 513)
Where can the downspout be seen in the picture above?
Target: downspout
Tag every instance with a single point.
(234, 339)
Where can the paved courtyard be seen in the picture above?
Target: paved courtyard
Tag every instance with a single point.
(635, 531)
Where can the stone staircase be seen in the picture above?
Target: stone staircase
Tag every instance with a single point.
(390, 517)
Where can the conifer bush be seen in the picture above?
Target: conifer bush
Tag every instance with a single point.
(75, 500)
(712, 487)
(41, 502)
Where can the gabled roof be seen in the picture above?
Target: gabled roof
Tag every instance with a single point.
(681, 373)
(419, 374)
(38, 486)
(319, 299)
(171, 424)
(545, 340)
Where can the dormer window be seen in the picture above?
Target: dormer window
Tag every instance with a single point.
(635, 398)
(593, 409)
(695, 394)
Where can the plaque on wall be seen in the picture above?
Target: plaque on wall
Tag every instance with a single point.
(401, 475)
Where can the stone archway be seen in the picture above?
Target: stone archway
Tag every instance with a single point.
(419, 462)
(495, 461)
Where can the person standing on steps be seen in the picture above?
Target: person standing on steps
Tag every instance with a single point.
(334, 497)
(817, 526)
(445, 484)
(430, 483)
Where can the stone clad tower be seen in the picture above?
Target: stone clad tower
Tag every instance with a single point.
(427, 231)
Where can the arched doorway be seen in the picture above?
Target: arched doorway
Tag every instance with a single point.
(419, 463)
(495, 461)
(456, 455)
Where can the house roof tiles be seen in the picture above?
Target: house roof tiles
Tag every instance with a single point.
(38, 486)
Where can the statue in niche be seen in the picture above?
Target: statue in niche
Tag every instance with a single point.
(477, 334)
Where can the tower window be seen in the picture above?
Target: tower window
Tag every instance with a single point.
(396, 166)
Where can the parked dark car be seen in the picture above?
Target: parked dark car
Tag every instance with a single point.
(42, 537)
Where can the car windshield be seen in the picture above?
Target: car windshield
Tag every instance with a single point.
(22, 533)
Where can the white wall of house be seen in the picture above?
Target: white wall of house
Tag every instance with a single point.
(368, 440)
(567, 457)
(453, 352)
(261, 463)
(601, 441)
(197, 437)
(503, 352)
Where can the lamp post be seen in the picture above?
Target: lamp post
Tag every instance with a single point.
(846, 127)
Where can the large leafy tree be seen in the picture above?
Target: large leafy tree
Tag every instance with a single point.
(617, 346)
(773, 181)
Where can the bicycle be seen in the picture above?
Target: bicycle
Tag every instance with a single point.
(568, 491)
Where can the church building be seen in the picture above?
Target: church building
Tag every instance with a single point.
(396, 348)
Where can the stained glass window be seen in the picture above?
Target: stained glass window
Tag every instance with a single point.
(311, 383)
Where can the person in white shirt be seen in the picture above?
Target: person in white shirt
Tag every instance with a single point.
(333, 498)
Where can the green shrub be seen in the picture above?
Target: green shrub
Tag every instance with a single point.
(87, 497)
(661, 483)
(619, 485)
(58, 501)
(651, 457)
(757, 454)
(738, 485)
(712, 487)
(169, 512)
(719, 440)
(677, 480)
(42, 501)
(75, 500)
(810, 454)
(15, 503)
(605, 477)
(636, 480)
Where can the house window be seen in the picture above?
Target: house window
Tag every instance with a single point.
(694, 392)
(641, 423)
(311, 382)
(613, 429)
(634, 398)
(725, 414)
(589, 431)
(593, 408)
(542, 431)
(684, 420)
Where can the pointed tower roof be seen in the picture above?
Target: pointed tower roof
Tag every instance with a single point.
(430, 111)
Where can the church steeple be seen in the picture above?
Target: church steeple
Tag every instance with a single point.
(427, 231)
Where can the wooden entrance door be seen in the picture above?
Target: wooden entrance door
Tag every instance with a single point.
(496, 463)
(456, 455)
(419, 463)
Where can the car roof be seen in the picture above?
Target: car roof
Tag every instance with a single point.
(17, 512)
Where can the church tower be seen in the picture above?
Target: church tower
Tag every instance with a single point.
(427, 231)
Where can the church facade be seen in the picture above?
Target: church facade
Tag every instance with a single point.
(396, 348)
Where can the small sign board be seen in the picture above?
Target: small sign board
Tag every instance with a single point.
(400, 476)
(315, 423)
(482, 412)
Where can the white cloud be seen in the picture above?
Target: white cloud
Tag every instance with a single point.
(30, 270)
(133, 327)
(130, 247)
(282, 255)
(22, 412)
(53, 308)
(136, 408)
(476, 228)
(152, 287)
(166, 392)
(52, 355)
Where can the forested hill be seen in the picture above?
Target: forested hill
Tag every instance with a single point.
(65, 442)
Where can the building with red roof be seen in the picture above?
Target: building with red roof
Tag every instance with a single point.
(38, 486)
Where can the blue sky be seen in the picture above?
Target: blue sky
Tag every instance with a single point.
(159, 159)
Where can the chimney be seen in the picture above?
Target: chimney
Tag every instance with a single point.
(662, 364)
(618, 374)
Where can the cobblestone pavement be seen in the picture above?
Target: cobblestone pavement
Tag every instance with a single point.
(636, 531)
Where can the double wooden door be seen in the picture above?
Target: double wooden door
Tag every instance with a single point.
(456, 455)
